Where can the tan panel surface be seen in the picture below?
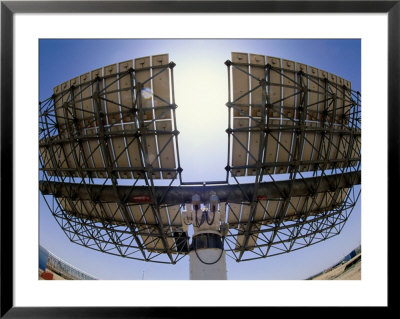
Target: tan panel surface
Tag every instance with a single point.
(251, 241)
(60, 157)
(233, 214)
(334, 148)
(125, 85)
(66, 111)
(240, 82)
(275, 94)
(81, 209)
(164, 216)
(347, 100)
(306, 155)
(167, 156)
(343, 194)
(285, 144)
(88, 120)
(271, 211)
(152, 152)
(312, 117)
(313, 95)
(324, 93)
(75, 105)
(223, 211)
(147, 239)
(302, 81)
(340, 100)
(239, 152)
(332, 101)
(356, 148)
(46, 159)
(59, 111)
(136, 213)
(288, 80)
(316, 148)
(260, 210)
(133, 150)
(314, 203)
(245, 215)
(142, 73)
(94, 153)
(97, 87)
(285, 138)
(111, 86)
(175, 217)
(296, 205)
(275, 78)
(272, 146)
(343, 149)
(111, 212)
(86, 105)
(257, 69)
(148, 214)
(161, 86)
(65, 97)
(157, 243)
(49, 160)
(120, 157)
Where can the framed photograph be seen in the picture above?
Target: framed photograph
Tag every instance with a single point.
(40, 39)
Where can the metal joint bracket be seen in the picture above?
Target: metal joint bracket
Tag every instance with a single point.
(228, 63)
(263, 82)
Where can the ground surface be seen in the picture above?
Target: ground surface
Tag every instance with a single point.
(350, 270)
(55, 276)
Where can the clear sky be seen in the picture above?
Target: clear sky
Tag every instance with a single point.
(201, 89)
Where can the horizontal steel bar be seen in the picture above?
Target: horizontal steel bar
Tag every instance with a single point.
(183, 194)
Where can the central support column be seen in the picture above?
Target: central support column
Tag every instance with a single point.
(206, 252)
(207, 258)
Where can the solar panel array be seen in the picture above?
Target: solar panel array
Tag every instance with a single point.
(115, 121)
(289, 115)
(140, 215)
(278, 210)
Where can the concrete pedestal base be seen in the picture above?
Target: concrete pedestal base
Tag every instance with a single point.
(207, 264)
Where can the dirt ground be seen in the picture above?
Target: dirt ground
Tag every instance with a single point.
(351, 270)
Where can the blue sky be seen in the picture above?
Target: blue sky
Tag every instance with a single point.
(200, 93)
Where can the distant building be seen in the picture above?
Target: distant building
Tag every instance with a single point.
(48, 261)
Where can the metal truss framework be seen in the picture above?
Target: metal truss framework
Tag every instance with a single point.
(278, 105)
(119, 209)
(79, 128)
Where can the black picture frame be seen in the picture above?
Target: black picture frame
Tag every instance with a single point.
(9, 8)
